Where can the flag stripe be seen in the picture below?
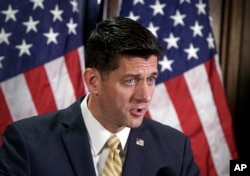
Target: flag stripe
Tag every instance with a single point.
(221, 104)
(147, 115)
(190, 121)
(19, 106)
(82, 65)
(40, 90)
(60, 82)
(205, 105)
(5, 114)
(74, 70)
(163, 111)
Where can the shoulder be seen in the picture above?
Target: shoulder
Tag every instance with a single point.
(161, 129)
(168, 146)
(164, 135)
(165, 139)
(47, 122)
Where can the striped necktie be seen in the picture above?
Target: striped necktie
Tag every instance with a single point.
(113, 163)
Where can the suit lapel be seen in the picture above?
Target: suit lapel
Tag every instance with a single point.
(79, 153)
(136, 153)
(76, 142)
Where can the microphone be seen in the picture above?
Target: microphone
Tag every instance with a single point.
(166, 171)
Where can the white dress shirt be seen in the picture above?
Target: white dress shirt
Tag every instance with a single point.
(98, 136)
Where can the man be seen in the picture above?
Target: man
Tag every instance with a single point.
(121, 71)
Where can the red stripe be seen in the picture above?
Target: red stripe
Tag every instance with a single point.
(190, 123)
(40, 90)
(5, 115)
(72, 60)
(222, 106)
(148, 115)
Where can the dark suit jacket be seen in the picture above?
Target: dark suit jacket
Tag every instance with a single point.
(57, 144)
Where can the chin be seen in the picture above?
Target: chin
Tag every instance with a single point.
(135, 124)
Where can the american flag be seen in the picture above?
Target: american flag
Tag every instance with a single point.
(189, 94)
(41, 57)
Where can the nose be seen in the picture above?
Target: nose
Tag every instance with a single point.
(143, 92)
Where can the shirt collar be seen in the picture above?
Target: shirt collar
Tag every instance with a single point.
(97, 133)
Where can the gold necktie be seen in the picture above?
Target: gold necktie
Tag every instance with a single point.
(113, 164)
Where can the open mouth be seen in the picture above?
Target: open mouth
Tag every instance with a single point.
(138, 111)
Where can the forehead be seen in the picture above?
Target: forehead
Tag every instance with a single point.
(138, 63)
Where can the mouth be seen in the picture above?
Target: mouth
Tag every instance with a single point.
(138, 112)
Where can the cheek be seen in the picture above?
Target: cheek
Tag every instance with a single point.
(119, 97)
(115, 94)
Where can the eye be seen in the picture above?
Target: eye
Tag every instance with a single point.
(130, 82)
(151, 80)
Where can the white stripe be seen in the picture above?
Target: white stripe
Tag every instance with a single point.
(218, 68)
(82, 62)
(18, 98)
(162, 109)
(200, 90)
(60, 82)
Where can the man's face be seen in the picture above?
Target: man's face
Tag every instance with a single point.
(124, 96)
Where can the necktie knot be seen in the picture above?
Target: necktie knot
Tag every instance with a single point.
(113, 142)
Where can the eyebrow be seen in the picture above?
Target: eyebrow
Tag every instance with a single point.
(156, 74)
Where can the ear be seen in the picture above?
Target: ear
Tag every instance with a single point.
(92, 79)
